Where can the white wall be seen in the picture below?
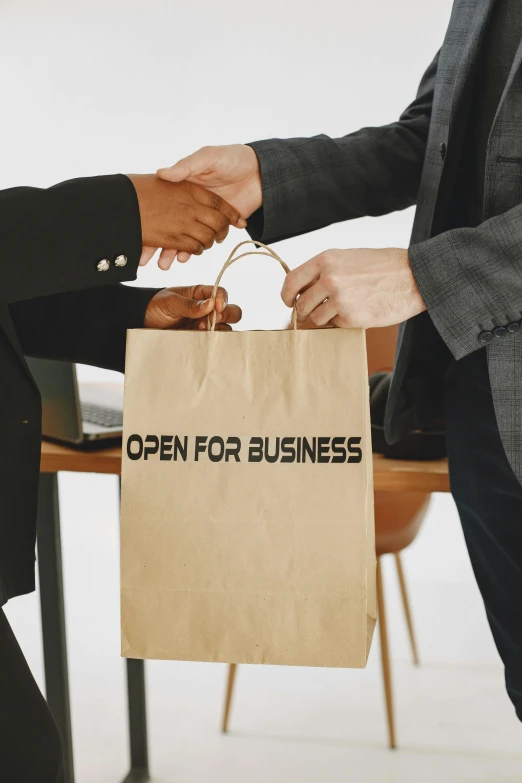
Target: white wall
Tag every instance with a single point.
(107, 86)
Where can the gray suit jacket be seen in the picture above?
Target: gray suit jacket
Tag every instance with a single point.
(470, 278)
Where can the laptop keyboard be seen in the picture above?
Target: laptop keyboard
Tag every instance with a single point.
(103, 417)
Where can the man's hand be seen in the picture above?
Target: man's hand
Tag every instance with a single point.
(230, 171)
(180, 217)
(354, 288)
(188, 308)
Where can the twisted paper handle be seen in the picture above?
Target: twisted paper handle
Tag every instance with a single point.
(233, 258)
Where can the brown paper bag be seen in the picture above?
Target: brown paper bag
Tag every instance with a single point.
(247, 529)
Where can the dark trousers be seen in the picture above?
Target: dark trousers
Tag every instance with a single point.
(30, 745)
(489, 501)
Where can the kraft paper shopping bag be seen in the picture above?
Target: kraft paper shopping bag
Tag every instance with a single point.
(247, 529)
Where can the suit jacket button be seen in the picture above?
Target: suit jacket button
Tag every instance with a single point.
(485, 337)
(500, 331)
(442, 150)
(103, 265)
(120, 261)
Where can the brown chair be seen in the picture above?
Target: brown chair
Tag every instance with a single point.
(397, 522)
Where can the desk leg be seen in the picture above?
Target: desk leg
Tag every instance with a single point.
(53, 614)
(137, 710)
(139, 771)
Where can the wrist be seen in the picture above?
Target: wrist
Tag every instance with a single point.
(412, 288)
(256, 182)
(139, 183)
(150, 314)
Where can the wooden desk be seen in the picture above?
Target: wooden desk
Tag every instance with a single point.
(397, 475)
(55, 459)
(389, 475)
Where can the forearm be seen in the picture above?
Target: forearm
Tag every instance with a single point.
(471, 281)
(86, 326)
(311, 183)
(53, 240)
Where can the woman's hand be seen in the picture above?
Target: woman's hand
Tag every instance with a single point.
(231, 171)
(189, 308)
(180, 217)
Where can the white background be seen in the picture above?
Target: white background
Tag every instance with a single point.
(104, 87)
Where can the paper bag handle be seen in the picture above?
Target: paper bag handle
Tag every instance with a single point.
(232, 258)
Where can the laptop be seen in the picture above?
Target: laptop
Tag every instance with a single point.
(85, 415)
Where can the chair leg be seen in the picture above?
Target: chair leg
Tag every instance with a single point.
(228, 698)
(407, 610)
(385, 654)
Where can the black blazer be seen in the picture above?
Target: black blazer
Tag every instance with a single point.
(56, 303)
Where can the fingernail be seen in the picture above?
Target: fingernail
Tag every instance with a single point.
(204, 303)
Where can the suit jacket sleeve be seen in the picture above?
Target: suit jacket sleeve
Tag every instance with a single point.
(51, 240)
(86, 326)
(312, 183)
(471, 280)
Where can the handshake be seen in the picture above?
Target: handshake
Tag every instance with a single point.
(184, 210)
(191, 205)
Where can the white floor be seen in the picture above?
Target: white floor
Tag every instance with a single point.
(455, 722)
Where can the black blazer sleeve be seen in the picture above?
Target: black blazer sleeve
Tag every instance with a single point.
(51, 240)
(312, 183)
(86, 326)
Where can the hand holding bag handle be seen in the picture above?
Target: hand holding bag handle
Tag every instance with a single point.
(232, 258)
